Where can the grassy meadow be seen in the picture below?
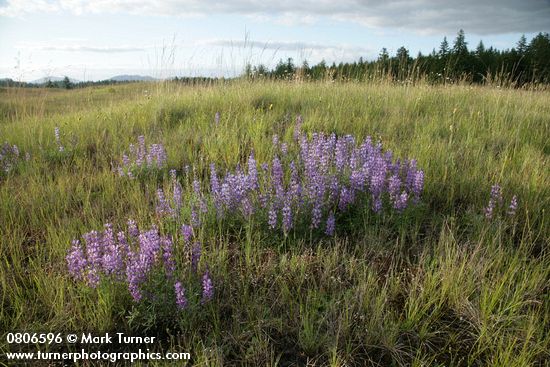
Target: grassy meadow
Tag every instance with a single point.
(439, 285)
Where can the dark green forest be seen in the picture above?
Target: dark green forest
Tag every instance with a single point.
(528, 62)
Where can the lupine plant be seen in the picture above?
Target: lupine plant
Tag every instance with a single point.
(310, 181)
(496, 203)
(57, 134)
(9, 157)
(141, 158)
(133, 257)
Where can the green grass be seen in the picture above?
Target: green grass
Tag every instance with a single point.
(448, 288)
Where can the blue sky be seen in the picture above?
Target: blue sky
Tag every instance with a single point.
(90, 40)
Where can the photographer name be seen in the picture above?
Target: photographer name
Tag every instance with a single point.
(116, 338)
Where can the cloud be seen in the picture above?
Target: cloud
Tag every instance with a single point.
(81, 48)
(423, 16)
(278, 45)
(299, 51)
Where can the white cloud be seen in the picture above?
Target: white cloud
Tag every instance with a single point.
(270, 51)
(424, 16)
(82, 48)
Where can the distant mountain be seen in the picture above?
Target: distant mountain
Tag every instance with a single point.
(132, 78)
(53, 79)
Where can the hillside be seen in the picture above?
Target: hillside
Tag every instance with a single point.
(281, 223)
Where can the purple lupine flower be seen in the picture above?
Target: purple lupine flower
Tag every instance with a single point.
(207, 288)
(58, 139)
(494, 200)
(376, 204)
(295, 184)
(9, 157)
(418, 184)
(123, 245)
(76, 261)
(177, 196)
(112, 261)
(277, 180)
(247, 207)
(513, 206)
(214, 183)
(287, 216)
(252, 173)
(105, 256)
(187, 232)
(496, 193)
(329, 172)
(141, 157)
(316, 214)
(346, 198)
(400, 202)
(217, 118)
(181, 300)
(394, 186)
(94, 254)
(163, 207)
(284, 149)
(272, 218)
(140, 151)
(133, 229)
(275, 141)
(331, 225)
(178, 201)
(168, 255)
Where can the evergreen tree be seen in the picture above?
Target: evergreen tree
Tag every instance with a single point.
(460, 46)
(67, 84)
(480, 49)
(444, 47)
(383, 56)
(402, 54)
(521, 46)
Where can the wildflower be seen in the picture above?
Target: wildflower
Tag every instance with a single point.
(9, 157)
(76, 260)
(513, 206)
(132, 228)
(287, 217)
(400, 202)
(168, 256)
(187, 232)
(207, 288)
(495, 199)
(181, 300)
(163, 207)
(331, 224)
(142, 157)
(58, 139)
(272, 221)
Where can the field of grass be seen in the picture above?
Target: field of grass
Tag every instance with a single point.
(439, 285)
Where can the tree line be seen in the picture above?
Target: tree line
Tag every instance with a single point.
(528, 62)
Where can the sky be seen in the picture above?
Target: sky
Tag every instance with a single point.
(93, 40)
